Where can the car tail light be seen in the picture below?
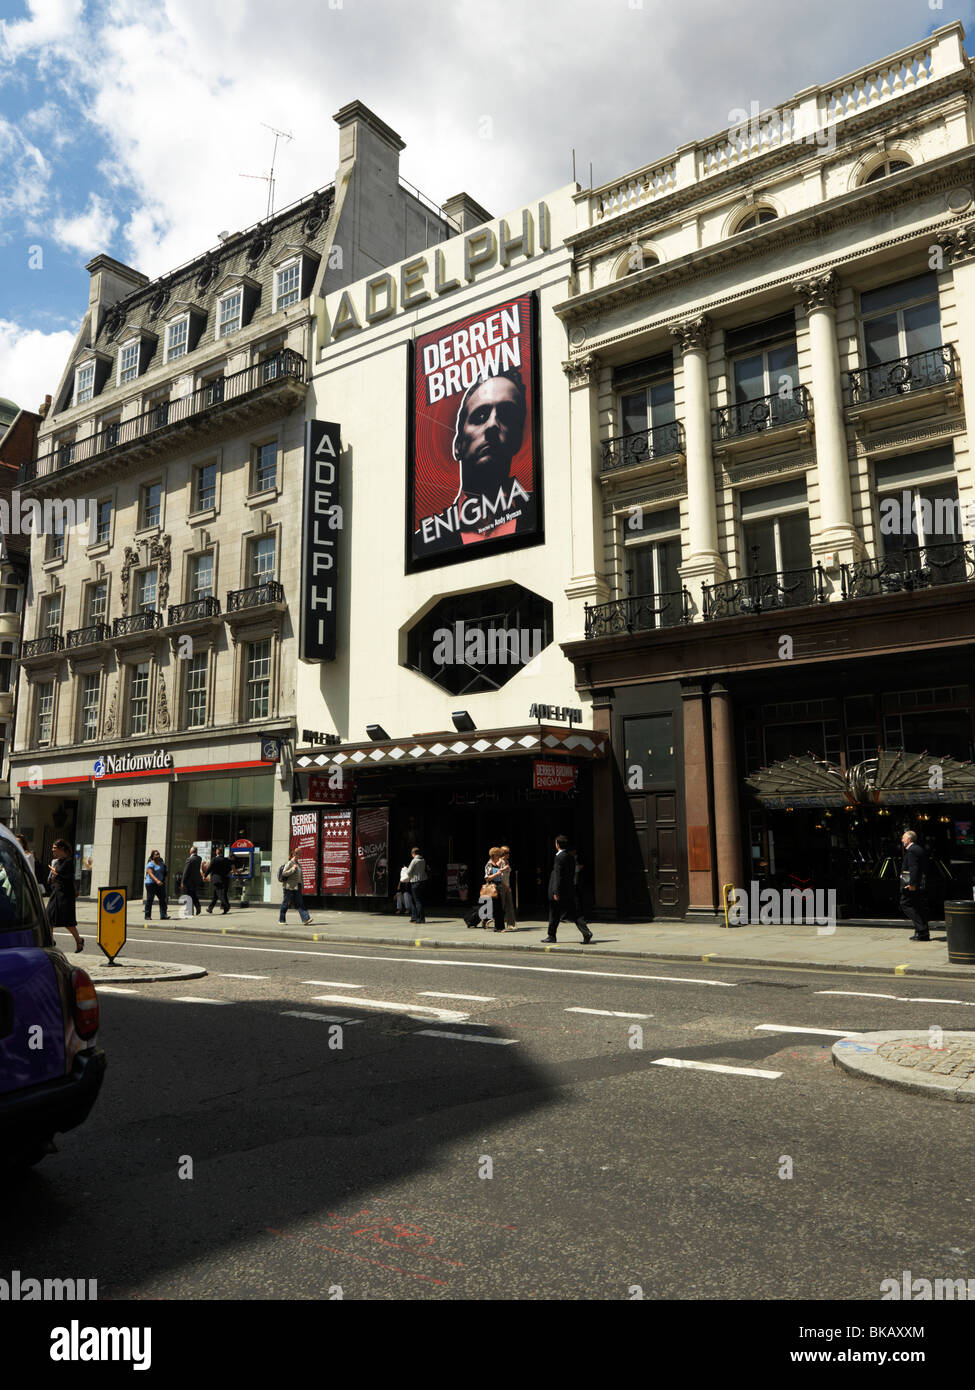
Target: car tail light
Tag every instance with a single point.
(85, 1006)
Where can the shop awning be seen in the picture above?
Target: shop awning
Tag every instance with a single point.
(538, 740)
(892, 778)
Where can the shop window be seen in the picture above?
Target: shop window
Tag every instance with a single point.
(139, 699)
(479, 641)
(649, 749)
(90, 697)
(44, 715)
(196, 690)
(775, 529)
(258, 694)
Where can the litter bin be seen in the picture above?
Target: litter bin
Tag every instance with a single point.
(960, 919)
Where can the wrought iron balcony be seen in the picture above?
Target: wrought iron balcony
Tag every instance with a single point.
(285, 365)
(643, 446)
(638, 613)
(907, 570)
(137, 622)
(43, 646)
(902, 375)
(198, 608)
(765, 413)
(760, 592)
(84, 636)
(255, 597)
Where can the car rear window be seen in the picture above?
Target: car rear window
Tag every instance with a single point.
(20, 905)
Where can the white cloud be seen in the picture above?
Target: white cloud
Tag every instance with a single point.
(26, 177)
(51, 25)
(90, 231)
(31, 362)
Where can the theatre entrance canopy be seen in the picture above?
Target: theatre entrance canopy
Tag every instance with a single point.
(892, 778)
(539, 740)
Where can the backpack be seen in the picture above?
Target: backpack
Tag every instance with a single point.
(280, 873)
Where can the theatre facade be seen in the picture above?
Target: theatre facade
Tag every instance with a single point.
(435, 705)
(773, 328)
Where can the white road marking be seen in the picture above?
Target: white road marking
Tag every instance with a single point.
(714, 1066)
(858, 994)
(241, 977)
(605, 1013)
(464, 1037)
(411, 1010)
(331, 984)
(901, 998)
(918, 999)
(425, 960)
(795, 1028)
(474, 998)
(113, 989)
(198, 999)
(319, 1018)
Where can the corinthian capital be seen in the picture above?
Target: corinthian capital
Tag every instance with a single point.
(694, 334)
(582, 371)
(959, 243)
(818, 291)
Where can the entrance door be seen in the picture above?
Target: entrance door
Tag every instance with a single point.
(129, 855)
(657, 874)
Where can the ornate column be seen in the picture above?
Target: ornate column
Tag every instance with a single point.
(836, 531)
(604, 775)
(703, 564)
(584, 503)
(959, 249)
(727, 816)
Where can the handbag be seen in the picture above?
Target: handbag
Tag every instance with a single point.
(488, 890)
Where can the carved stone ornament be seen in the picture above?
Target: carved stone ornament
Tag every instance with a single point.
(208, 272)
(258, 248)
(159, 555)
(158, 303)
(694, 335)
(111, 718)
(818, 291)
(162, 705)
(115, 321)
(129, 561)
(959, 244)
(582, 371)
(316, 215)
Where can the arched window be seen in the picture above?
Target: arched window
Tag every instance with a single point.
(755, 218)
(885, 168)
(635, 259)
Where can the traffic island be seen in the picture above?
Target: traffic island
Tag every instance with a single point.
(128, 972)
(927, 1061)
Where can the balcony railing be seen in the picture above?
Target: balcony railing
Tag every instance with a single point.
(44, 646)
(638, 613)
(765, 413)
(84, 636)
(255, 597)
(197, 608)
(903, 375)
(137, 622)
(642, 446)
(162, 415)
(760, 592)
(907, 570)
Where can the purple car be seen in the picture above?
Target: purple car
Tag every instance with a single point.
(50, 1069)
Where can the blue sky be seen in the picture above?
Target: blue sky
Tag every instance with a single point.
(125, 127)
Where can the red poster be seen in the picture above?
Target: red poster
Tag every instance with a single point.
(475, 470)
(553, 777)
(372, 851)
(336, 853)
(304, 847)
(329, 787)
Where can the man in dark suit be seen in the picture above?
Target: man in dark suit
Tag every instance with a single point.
(191, 879)
(913, 886)
(562, 893)
(218, 875)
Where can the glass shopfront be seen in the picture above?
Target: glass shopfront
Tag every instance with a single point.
(218, 810)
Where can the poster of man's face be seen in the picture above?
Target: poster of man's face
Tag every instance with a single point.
(474, 481)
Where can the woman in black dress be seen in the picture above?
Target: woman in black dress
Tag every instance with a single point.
(60, 905)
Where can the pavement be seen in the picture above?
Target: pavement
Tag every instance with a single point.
(882, 949)
(929, 1063)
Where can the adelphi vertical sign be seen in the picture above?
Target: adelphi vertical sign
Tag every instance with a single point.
(321, 527)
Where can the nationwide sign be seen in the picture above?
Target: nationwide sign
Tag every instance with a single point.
(111, 763)
(321, 524)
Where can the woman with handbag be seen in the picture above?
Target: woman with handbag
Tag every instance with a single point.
(493, 884)
(60, 904)
(507, 897)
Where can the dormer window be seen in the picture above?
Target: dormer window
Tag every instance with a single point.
(287, 284)
(128, 362)
(84, 383)
(230, 312)
(177, 338)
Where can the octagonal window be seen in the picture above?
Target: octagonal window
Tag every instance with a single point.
(475, 642)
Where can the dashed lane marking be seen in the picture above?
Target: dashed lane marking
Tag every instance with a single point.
(331, 984)
(320, 1018)
(605, 1013)
(858, 994)
(114, 989)
(421, 1011)
(241, 977)
(797, 1028)
(198, 999)
(714, 1066)
(463, 1037)
(901, 998)
(474, 998)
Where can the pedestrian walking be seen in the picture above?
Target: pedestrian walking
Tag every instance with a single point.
(191, 879)
(218, 876)
(61, 903)
(292, 879)
(562, 893)
(494, 879)
(155, 884)
(404, 898)
(914, 883)
(507, 894)
(417, 873)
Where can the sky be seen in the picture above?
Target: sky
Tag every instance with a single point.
(127, 126)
